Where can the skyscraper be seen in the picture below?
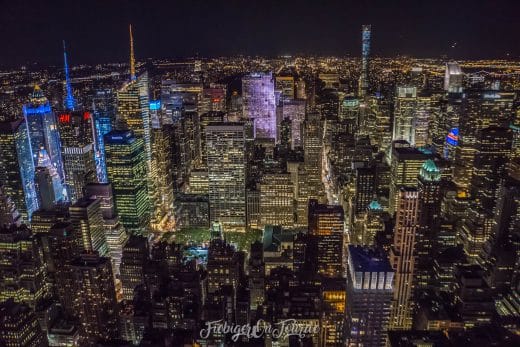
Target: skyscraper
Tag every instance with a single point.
(22, 268)
(226, 171)
(258, 103)
(95, 297)
(365, 52)
(133, 262)
(276, 200)
(453, 77)
(19, 325)
(326, 227)
(104, 112)
(369, 296)
(85, 215)
(402, 257)
(17, 174)
(77, 146)
(429, 220)
(43, 130)
(126, 170)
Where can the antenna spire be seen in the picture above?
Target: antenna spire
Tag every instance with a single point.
(132, 58)
(70, 103)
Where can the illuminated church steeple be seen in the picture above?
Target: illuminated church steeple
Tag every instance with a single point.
(70, 103)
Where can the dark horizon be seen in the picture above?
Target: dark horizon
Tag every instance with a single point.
(97, 31)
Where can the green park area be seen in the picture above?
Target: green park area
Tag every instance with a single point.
(199, 236)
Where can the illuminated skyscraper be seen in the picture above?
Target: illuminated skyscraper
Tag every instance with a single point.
(104, 111)
(95, 297)
(16, 160)
(429, 220)
(48, 183)
(43, 130)
(85, 215)
(412, 114)
(479, 110)
(133, 109)
(294, 110)
(286, 85)
(365, 52)
(258, 103)
(405, 166)
(453, 78)
(276, 200)
(133, 263)
(19, 326)
(77, 147)
(225, 146)
(326, 227)
(369, 296)
(402, 257)
(126, 170)
(115, 233)
(22, 269)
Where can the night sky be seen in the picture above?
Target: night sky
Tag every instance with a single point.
(97, 31)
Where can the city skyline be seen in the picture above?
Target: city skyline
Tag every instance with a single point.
(255, 201)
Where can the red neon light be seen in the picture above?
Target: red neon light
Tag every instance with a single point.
(216, 100)
(64, 118)
(86, 115)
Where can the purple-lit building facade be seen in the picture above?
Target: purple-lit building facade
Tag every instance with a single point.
(258, 103)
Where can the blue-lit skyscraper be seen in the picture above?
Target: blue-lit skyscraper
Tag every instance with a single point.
(365, 51)
(43, 131)
(17, 173)
(104, 111)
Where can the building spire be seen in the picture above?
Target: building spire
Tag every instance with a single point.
(70, 103)
(132, 58)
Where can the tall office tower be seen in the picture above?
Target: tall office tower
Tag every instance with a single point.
(126, 171)
(223, 265)
(43, 130)
(349, 115)
(276, 200)
(453, 77)
(61, 246)
(405, 165)
(136, 253)
(115, 233)
(213, 98)
(425, 108)
(22, 268)
(295, 111)
(258, 103)
(332, 320)
(286, 85)
(285, 135)
(369, 296)
(85, 215)
(361, 192)
(162, 174)
(310, 185)
(104, 111)
(95, 297)
(382, 133)
(17, 174)
(365, 52)
(444, 129)
(501, 252)
(19, 326)
(133, 109)
(9, 214)
(49, 188)
(226, 173)
(404, 114)
(77, 148)
(326, 227)
(372, 223)
(402, 257)
(479, 110)
(492, 152)
(429, 220)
